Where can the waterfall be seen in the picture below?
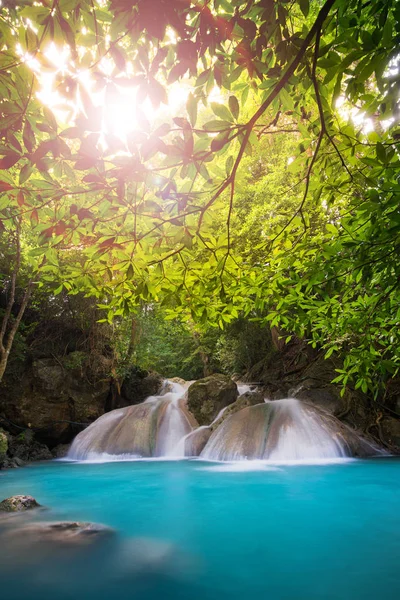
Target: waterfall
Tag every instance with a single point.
(153, 428)
(282, 431)
(277, 431)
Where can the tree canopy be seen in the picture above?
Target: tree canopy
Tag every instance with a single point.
(217, 157)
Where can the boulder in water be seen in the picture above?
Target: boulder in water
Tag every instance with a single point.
(60, 451)
(196, 441)
(208, 396)
(137, 386)
(246, 399)
(18, 504)
(24, 447)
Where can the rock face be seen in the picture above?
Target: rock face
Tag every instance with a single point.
(18, 504)
(390, 428)
(25, 448)
(246, 399)
(60, 451)
(51, 394)
(3, 447)
(196, 441)
(208, 396)
(139, 385)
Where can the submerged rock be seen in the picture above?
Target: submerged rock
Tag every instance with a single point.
(18, 504)
(208, 396)
(68, 533)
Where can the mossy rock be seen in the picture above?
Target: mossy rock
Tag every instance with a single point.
(3, 444)
(18, 504)
(208, 396)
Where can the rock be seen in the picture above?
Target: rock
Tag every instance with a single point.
(3, 447)
(196, 441)
(54, 393)
(25, 448)
(390, 427)
(36, 542)
(60, 451)
(137, 386)
(178, 380)
(208, 396)
(18, 503)
(327, 397)
(285, 430)
(246, 399)
(65, 532)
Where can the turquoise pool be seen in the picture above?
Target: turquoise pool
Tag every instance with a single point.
(209, 531)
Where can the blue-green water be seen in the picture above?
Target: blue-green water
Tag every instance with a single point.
(294, 532)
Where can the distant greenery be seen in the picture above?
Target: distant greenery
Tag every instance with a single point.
(260, 195)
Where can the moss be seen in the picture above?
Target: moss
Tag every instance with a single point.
(3, 444)
(206, 397)
(18, 503)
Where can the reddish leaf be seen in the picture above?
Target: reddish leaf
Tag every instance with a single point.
(5, 187)
(85, 163)
(48, 232)
(92, 178)
(118, 57)
(107, 243)
(84, 213)
(60, 228)
(9, 160)
(34, 217)
(71, 133)
(28, 136)
(20, 198)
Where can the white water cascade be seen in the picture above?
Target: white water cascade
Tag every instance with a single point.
(283, 431)
(162, 426)
(153, 428)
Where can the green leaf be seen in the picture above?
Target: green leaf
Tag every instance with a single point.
(305, 7)
(234, 106)
(221, 111)
(191, 107)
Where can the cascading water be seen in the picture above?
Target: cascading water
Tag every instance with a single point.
(162, 426)
(153, 428)
(281, 431)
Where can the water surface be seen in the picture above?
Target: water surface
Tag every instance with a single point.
(209, 531)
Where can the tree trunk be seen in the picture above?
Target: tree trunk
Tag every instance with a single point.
(7, 339)
(9, 327)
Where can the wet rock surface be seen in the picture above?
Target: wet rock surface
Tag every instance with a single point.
(196, 441)
(18, 503)
(25, 448)
(208, 396)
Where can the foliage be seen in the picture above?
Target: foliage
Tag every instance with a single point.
(148, 217)
(168, 347)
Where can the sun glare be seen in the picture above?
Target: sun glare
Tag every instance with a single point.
(122, 111)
